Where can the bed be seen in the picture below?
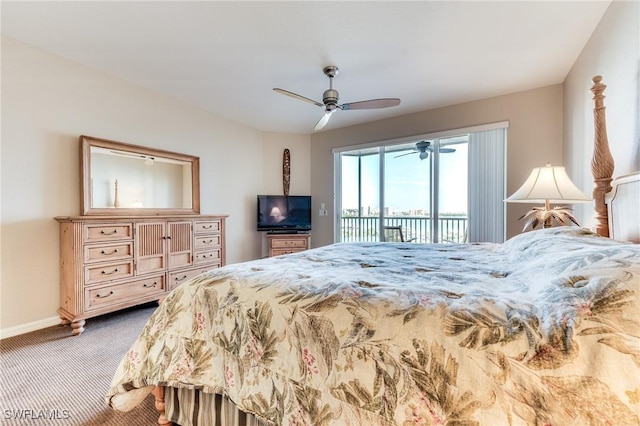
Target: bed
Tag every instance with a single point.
(542, 329)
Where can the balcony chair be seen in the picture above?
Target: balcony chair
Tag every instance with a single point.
(394, 234)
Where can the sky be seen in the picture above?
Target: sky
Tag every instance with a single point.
(407, 181)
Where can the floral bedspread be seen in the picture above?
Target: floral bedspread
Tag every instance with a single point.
(541, 330)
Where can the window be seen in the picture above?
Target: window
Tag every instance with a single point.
(434, 189)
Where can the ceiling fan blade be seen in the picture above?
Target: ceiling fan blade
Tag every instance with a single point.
(323, 120)
(406, 153)
(441, 150)
(371, 104)
(296, 96)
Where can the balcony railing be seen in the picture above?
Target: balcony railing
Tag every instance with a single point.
(452, 229)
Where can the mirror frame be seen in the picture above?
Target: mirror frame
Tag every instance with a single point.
(86, 201)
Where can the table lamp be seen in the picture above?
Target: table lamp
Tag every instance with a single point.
(549, 184)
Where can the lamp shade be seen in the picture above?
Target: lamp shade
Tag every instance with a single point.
(550, 183)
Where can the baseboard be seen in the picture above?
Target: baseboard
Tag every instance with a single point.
(29, 327)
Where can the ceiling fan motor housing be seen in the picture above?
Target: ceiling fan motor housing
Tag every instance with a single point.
(422, 145)
(330, 97)
(422, 148)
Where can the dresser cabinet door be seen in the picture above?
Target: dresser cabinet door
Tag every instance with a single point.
(180, 244)
(150, 247)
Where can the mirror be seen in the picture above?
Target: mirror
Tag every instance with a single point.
(125, 179)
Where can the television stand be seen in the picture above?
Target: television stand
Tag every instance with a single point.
(282, 243)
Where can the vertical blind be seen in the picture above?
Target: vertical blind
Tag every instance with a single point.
(487, 185)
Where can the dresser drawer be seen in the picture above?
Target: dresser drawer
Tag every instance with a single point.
(299, 243)
(278, 252)
(177, 278)
(107, 272)
(108, 252)
(208, 241)
(107, 232)
(207, 226)
(109, 295)
(209, 256)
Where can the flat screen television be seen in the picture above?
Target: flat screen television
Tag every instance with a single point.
(277, 213)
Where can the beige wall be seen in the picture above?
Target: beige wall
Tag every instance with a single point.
(47, 102)
(534, 137)
(614, 53)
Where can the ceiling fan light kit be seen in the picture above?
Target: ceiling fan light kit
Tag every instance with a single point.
(330, 99)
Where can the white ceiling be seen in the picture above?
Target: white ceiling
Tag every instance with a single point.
(226, 57)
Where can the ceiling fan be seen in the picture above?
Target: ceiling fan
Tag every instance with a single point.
(423, 148)
(330, 100)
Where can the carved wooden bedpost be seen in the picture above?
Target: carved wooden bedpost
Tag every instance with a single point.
(158, 393)
(602, 161)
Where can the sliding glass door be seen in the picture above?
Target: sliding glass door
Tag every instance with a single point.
(407, 193)
(412, 192)
(423, 190)
(450, 217)
(360, 195)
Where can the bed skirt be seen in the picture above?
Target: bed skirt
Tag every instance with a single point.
(189, 407)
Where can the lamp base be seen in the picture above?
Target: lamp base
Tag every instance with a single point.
(546, 216)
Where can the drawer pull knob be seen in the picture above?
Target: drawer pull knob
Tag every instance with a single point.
(146, 285)
(207, 226)
(181, 278)
(109, 273)
(100, 296)
(112, 252)
(115, 231)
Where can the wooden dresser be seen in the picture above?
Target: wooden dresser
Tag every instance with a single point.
(287, 243)
(109, 263)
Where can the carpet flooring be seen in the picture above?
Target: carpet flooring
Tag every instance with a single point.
(49, 377)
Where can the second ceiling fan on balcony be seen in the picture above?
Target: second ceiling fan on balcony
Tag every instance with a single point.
(424, 148)
(330, 100)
